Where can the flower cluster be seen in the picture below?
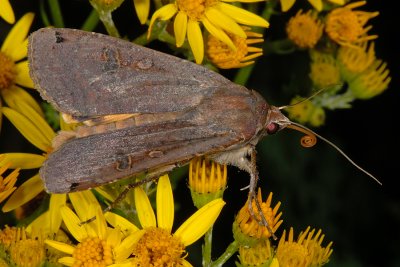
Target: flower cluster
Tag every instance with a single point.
(341, 53)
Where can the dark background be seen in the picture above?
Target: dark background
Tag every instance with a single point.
(317, 186)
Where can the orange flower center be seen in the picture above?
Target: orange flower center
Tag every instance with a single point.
(93, 252)
(194, 9)
(157, 248)
(7, 71)
(304, 30)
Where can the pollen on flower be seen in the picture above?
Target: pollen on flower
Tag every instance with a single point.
(345, 26)
(24, 251)
(225, 58)
(194, 8)
(7, 71)
(157, 248)
(304, 29)
(93, 252)
(206, 176)
(249, 224)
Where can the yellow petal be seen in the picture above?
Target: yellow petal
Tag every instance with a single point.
(23, 77)
(23, 160)
(144, 209)
(56, 202)
(142, 8)
(165, 204)
(242, 16)
(100, 222)
(317, 4)
(73, 224)
(124, 250)
(118, 221)
(60, 246)
(186, 263)
(67, 261)
(103, 192)
(242, 1)
(82, 201)
(287, 4)
(27, 129)
(180, 26)
(195, 38)
(218, 33)
(17, 36)
(25, 192)
(41, 223)
(338, 2)
(6, 11)
(164, 13)
(226, 23)
(199, 223)
(15, 95)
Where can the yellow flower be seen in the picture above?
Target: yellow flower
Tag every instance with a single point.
(304, 29)
(14, 70)
(305, 111)
(354, 60)
(225, 58)
(345, 26)
(24, 249)
(207, 180)
(317, 4)
(99, 244)
(7, 183)
(217, 17)
(35, 129)
(306, 251)
(371, 82)
(159, 246)
(6, 11)
(261, 254)
(247, 228)
(324, 70)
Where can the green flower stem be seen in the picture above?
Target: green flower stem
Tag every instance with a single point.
(91, 21)
(56, 14)
(229, 252)
(106, 18)
(333, 102)
(43, 14)
(207, 248)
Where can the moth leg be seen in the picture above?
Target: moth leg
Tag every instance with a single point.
(252, 193)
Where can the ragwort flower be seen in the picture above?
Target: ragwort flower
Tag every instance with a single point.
(6, 11)
(345, 26)
(7, 183)
(158, 246)
(304, 29)
(305, 252)
(98, 244)
(225, 58)
(217, 17)
(14, 71)
(36, 130)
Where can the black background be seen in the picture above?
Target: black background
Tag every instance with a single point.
(317, 186)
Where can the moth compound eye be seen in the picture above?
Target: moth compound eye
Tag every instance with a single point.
(272, 128)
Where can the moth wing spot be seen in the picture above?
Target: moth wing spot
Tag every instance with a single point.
(111, 58)
(73, 187)
(59, 38)
(156, 154)
(145, 64)
(123, 162)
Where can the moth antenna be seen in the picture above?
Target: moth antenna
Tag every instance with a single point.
(310, 140)
(310, 97)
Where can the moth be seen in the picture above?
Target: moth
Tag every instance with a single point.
(142, 111)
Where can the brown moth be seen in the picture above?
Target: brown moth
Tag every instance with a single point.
(142, 111)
